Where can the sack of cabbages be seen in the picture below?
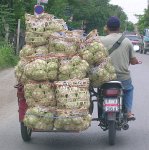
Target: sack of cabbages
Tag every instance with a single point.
(43, 23)
(42, 68)
(41, 118)
(92, 50)
(72, 120)
(73, 94)
(30, 51)
(36, 40)
(39, 28)
(102, 73)
(65, 42)
(72, 68)
(39, 94)
(19, 71)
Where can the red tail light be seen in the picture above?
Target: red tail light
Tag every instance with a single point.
(111, 92)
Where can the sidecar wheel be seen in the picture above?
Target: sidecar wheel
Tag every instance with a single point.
(25, 132)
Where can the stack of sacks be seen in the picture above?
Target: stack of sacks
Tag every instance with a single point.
(49, 58)
(56, 67)
(73, 103)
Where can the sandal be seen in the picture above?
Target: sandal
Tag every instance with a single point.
(131, 117)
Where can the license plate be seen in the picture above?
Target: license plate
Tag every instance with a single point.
(111, 105)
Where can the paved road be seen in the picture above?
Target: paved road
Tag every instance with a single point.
(136, 138)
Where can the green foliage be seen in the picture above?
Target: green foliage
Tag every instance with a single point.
(143, 21)
(90, 14)
(129, 26)
(58, 8)
(19, 11)
(86, 14)
(6, 17)
(7, 56)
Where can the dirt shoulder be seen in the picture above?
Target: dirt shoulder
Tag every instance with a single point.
(7, 90)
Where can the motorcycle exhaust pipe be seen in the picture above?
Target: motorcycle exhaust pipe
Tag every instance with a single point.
(125, 126)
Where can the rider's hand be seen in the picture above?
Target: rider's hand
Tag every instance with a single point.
(134, 61)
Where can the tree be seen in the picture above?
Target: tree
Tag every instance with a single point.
(143, 21)
(7, 21)
(79, 14)
(129, 26)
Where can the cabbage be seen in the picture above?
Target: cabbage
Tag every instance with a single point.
(99, 57)
(29, 87)
(71, 49)
(52, 75)
(27, 50)
(39, 75)
(30, 101)
(21, 78)
(30, 120)
(73, 68)
(110, 68)
(47, 33)
(28, 94)
(101, 74)
(38, 94)
(40, 125)
(36, 70)
(40, 29)
(19, 72)
(92, 50)
(72, 123)
(52, 66)
(72, 96)
(83, 66)
(50, 95)
(33, 111)
(63, 77)
(78, 74)
(41, 50)
(88, 56)
(48, 117)
(65, 68)
(47, 102)
(77, 120)
(36, 41)
(75, 60)
(93, 47)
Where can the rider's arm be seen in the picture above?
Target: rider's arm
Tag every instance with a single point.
(132, 58)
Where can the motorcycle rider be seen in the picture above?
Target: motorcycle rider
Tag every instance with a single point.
(121, 58)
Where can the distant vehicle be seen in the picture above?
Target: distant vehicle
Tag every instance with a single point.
(145, 41)
(136, 41)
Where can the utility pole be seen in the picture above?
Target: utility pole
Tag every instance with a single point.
(148, 4)
(18, 37)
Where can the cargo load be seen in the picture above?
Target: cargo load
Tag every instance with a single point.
(56, 68)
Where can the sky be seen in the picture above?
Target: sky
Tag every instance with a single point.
(131, 7)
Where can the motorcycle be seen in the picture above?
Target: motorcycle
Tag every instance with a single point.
(112, 113)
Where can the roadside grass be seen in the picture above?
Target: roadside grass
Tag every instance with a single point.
(7, 56)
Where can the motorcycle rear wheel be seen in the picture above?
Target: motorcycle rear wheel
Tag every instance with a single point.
(112, 132)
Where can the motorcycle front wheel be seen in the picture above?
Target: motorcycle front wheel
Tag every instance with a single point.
(112, 132)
